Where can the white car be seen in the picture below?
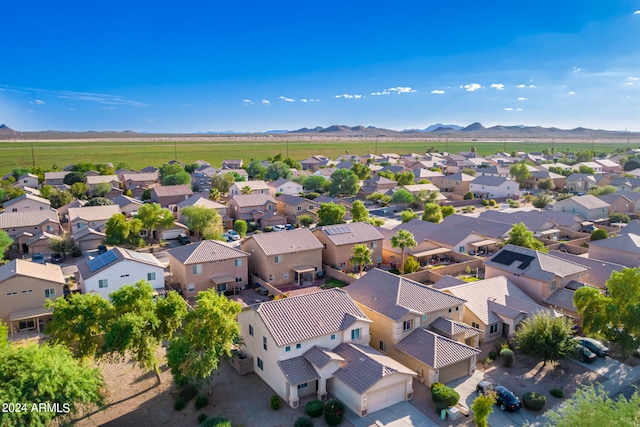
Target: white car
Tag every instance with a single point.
(279, 228)
(233, 235)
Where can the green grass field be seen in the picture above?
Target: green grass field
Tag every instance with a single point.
(138, 154)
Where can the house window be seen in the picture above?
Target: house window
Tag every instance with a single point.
(191, 287)
(80, 225)
(250, 330)
(299, 208)
(355, 334)
(103, 283)
(15, 293)
(310, 207)
(383, 346)
(151, 276)
(424, 316)
(285, 275)
(374, 245)
(271, 278)
(49, 228)
(406, 325)
(552, 286)
(494, 328)
(333, 336)
(237, 262)
(287, 348)
(298, 346)
(264, 343)
(222, 287)
(14, 210)
(196, 270)
(461, 249)
(475, 325)
(302, 386)
(27, 291)
(238, 279)
(260, 364)
(50, 293)
(278, 259)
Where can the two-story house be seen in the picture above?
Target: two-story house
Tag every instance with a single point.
(137, 183)
(27, 203)
(284, 186)
(55, 179)
(588, 207)
(456, 183)
(490, 187)
(292, 256)
(256, 187)
(23, 226)
(339, 240)
(208, 264)
(294, 206)
(259, 207)
(26, 180)
(317, 344)
(379, 184)
(90, 217)
(93, 181)
(168, 195)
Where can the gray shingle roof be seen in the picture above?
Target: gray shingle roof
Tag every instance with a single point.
(121, 254)
(284, 242)
(364, 367)
(629, 242)
(451, 327)
(320, 357)
(205, 251)
(434, 350)
(395, 297)
(359, 232)
(303, 317)
(298, 370)
(27, 219)
(492, 181)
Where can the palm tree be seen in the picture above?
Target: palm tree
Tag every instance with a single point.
(214, 194)
(246, 190)
(403, 239)
(361, 256)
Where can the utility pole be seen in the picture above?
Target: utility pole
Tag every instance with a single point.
(33, 156)
(175, 150)
(287, 148)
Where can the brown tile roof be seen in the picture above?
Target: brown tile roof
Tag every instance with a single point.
(395, 297)
(285, 242)
(298, 370)
(205, 251)
(93, 213)
(435, 350)
(352, 233)
(27, 219)
(140, 177)
(296, 319)
(172, 190)
(20, 267)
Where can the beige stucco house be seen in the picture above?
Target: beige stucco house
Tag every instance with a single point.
(339, 240)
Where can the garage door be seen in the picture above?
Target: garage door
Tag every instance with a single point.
(453, 372)
(385, 397)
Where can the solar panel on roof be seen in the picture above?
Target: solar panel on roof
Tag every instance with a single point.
(100, 261)
(508, 258)
(340, 229)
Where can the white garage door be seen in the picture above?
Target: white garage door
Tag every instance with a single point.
(453, 372)
(385, 397)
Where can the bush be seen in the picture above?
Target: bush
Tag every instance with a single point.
(268, 229)
(76, 252)
(201, 418)
(485, 202)
(201, 402)
(181, 381)
(188, 392)
(557, 392)
(435, 385)
(492, 202)
(507, 356)
(275, 402)
(334, 411)
(303, 421)
(179, 404)
(444, 397)
(598, 234)
(468, 196)
(216, 422)
(493, 355)
(314, 408)
(533, 401)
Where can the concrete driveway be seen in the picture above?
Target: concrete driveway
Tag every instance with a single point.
(402, 414)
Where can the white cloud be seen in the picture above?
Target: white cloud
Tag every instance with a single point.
(437, 92)
(508, 109)
(247, 102)
(384, 92)
(522, 99)
(100, 98)
(285, 99)
(518, 109)
(576, 69)
(631, 81)
(498, 86)
(521, 86)
(304, 100)
(266, 102)
(348, 96)
(472, 87)
(532, 86)
(37, 102)
(571, 93)
(637, 12)
(110, 108)
(401, 89)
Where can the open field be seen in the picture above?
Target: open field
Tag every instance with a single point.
(138, 153)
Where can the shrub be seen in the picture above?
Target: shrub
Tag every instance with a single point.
(485, 202)
(334, 411)
(216, 422)
(598, 234)
(201, 418)
(76, 252)
(275, 402)
(201, 402)
(444, 397)
(303, 421)
(179, 404)
(268, 229)
(492, 202)
(434, 385)
(188, 392)
(314, 408)
(181, 381)
(557, 392)
(468, 196)
(507, 356)
(533, 401)
(493, 355)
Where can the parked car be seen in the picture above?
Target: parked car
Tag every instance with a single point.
(39, 258)
(278, 227)
(183, 239)
(56, 258)
(226, 237)
(505, 399)
(102, 249)
(233, 235)
(594, 345)
(289, 226)
(584, 354)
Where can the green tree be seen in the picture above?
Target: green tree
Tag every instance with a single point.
(45, 191)
(246, 190)
(482, 407)
(209, 332)
(545, 337)
(119, 231)
(63, 244)
(277, 170)
(447, 210)
(468, 196)
(432, 213)
(598, 234)
(314, 183)
(520, 172)
(59, 198)
(362, 171)
(408, 215)
(101, 189)
(359, 212)
(99, 201)
(169, 169)
(5, 242)
(305, 220)
(222, 182)
(586, 170)
(214, 194)
(293, 164)
(613, 314)
(343, 182)
(425, 196)
(584, 156)
(411, 265)
(361, 256)
(403, 239)
(154, 218)
(240, 226)
(4, 336)
(73, 177)
(469, 171)
(546, 184)
(255, 169)
(404, 178)
(541, 200)
(83, 167)
(402, 197)
(201, 221)
(631, 164)
(331, 213)
(592, 404)
(601, 191)
(180, 178)
(619, 217)
(79, 190)
(520, 235)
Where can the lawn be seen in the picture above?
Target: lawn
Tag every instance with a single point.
(333, 283)
(140, 153)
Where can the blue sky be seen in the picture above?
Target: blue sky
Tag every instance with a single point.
(190, 66)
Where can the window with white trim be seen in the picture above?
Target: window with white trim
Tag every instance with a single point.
(103, 283)
(407, 324)
(196, 269)
(222, 287)
(278, 259)
(191, 288)
(383, 346)
(264, 343)
(260, 364)
(50, 293)
(355, 334)
(237, 262)
(151, 276)
(493, 328)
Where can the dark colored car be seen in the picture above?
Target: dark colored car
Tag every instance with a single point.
(102, 249)
(56, 258)
(183, 239)
(594, 345)
(39, 258)
(584, 354)
(505, 399)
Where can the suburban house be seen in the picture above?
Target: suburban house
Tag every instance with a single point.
(314, 163)
(112, 180)
(284, 186)
(339, 240)
(259, 207)
(494, 230)
(196, 200)
(597, 167)
(256, 187)
(232, 164)
(90, 217)
(200, 181)
(55, 179)
(456, 183)
(343, 202)
(316, 344)
(588, 207)
(137, 183)
(538, 274)
(608, 165)
(25, 286)
(26, 180)
(495, 306)
(128, 205)
(294, 206)
(623, 249)
(168, 195)
(23, 226)
(493, 171)
(89, 238)
(379, 184)
(405, 314)
(624, 183)
(490, 187)
(27, 203)
(208, 264)
(559, 181)
(580, 182)
(117, 267)
(293, 256)
(618, 203)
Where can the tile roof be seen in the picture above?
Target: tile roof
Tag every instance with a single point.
(298, 370)
(632, 227)
(92, 180)
(282, 181)
(93, 213)
(364, 366)
(120, 254)
(482, 227)
(205, 251)
(293, 200)
(299, 318)
(141, 177)
(122, 200)
(395, 296)
(43, 235)
(451, 327)
(27, 219)
(352, 233)
(492, 181)
(283, 242)
(197, 200)
(256, 199)
(254, 185)
(447, 281)
(20, 267)
(587, 201)
(172, 190)
(562, 298)
(599, 271)
(27, 196)
(320, 357)
(434, 350)
(629, 242)
(55, 175)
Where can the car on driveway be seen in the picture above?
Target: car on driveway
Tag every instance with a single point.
(278, 227)
(594, 345)
(56, 258)
(183, 239)
(584, 354)
(233, 235)
(505, 399)
(38, 258)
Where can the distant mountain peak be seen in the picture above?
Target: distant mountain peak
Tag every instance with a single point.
(473, 127)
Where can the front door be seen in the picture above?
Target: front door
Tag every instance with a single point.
(505, 330)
